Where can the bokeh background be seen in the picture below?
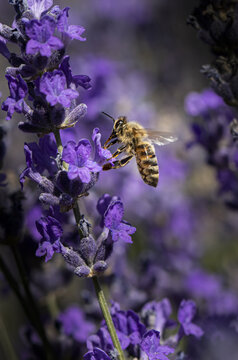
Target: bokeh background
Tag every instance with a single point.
(143, 61)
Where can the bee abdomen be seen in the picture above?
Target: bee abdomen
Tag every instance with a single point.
(147, 163)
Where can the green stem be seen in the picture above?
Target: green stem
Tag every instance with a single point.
(31, 302)
(58, 141)
(60, 146)
(6, 343)
(107, 316)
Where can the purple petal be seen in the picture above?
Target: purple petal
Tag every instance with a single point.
(114, 214)
(69, 154)
(75, 32)
(39, 6)
(66, 96)
(55, 43)
(150, 344)
(192, 329)
(186, 312)
(83, 150)
(93, 166)
(84, 175)
(96, 354)
(45, 249)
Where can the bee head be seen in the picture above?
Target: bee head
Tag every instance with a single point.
(119, 124)
(117, 129)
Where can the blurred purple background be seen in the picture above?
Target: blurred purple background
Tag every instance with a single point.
(143, 61)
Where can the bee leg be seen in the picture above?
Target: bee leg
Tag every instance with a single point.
(107, 145)
(117, 164)
(118, 152)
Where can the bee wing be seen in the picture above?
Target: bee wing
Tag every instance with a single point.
(156, 137)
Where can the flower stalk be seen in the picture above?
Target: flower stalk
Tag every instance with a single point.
(107, 316)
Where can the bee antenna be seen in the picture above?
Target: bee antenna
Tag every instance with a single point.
(108, 116)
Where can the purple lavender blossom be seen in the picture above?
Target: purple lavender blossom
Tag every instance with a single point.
(103, 204)
(30, 170)
(77, 80)
(71, 31)
(119, 229)
(41, 37)
(51, 232)
(73, 323)
(54, 86)
(128, 327)
(197, 104)
(96, 354)
(39, 6)
(150, 344)
(18, 91)
(158, 314)
(77, 156)
(186, 313)
(101, 154)
(44, 154)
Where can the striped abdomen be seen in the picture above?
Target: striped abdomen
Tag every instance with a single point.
(147, 163)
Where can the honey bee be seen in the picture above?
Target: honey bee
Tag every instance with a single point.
(139, 142)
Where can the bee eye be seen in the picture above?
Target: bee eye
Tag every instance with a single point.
(118, 124)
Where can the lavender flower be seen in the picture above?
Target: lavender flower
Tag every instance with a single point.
(44, 155)
(150, 344)
(38, 7)
(77, 156)
(129, 330)
(53, 85)
(119, 229)
(41, 51)
(96, 354)
(157, 314)
(51, 232)
(212, 129)
(41, 37)
(18, 91)
(186, 314)
(71, 31)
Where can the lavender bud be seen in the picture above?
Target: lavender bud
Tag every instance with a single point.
(72, 257)
(87, 249)
(8, 33)
(99, 267)
(82, 271)
(104, 251)
(74, 116)
(84, 226)
(46, 185)
(49, 199)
